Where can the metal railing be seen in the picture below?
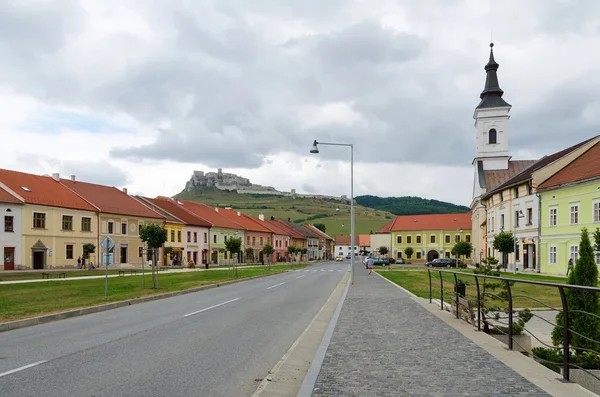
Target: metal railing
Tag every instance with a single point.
(498, 314)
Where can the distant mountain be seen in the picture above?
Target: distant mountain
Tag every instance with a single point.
(409, 205)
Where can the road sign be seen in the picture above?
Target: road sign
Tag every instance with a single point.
(108, 243)
(108, 259)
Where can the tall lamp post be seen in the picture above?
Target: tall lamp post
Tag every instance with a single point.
(518, 215)
(315, 150)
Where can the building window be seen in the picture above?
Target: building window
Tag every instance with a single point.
(140, 252)
(456, 238)
(86, 224)
(492, 135)
(529, 190)
(517, 252)
(111, 228)
(253, 240)
(418, 254)
(69, 251)
(189, 237)
(39, 220)
(468, 238)
(286, 243)
(195, 237)
(408, 239)
(598, 258)
(447, 239)
(248, 240)
(123, 228)
(9, 224)
(529, 216)
(516, 192)
(501, 221)
(501, 196)
(215, 238)
(447, 254)
(179, 236)
(172, 236)
(432, 239)
(67, 222)
(553, 216)
(574, 214)
(418, 239)
(399, 239)
(225, 238)
(517, 219)
(261, 241)
(597, 211)
(574, 254)
(205, 238)
(553, 255)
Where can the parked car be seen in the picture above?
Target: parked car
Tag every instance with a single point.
(441, 262)
(348, 256)
(339, 258)
(400, 261)
(381, 262)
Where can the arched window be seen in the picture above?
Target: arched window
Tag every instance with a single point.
(492, 136)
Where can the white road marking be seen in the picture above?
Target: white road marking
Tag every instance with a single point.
(299, 277)
(12, 371)
(276, 285)
(212, 307)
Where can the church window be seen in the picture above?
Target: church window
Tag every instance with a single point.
(492, 136)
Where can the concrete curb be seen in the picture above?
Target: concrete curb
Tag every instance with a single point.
(28, 322)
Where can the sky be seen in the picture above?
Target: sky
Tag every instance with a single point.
(140, 94)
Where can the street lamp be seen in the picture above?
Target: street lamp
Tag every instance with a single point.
(519, 214)
(315, 150)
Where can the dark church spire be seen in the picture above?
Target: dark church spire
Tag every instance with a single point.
(491, 96)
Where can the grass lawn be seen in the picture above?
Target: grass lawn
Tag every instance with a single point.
(35, 299)
(68, 274)
(417, 282)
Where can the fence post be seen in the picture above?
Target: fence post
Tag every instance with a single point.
(456, 296)
(510, 316)
(441, 291)
(566, 341)
(430, 290)
(478, 305)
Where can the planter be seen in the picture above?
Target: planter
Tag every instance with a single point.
(584, 379)
(521, 343)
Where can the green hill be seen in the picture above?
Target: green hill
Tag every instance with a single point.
(333, 214)
(409, 205)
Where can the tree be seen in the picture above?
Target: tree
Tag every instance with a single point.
(462, 248)
(88, 249)
(408, 251)
(580, 302)
(321, 227)
(504, 242)
(291, 251)
(249, 253)
(154, 235)
(234, 246)
(268, 251)
(383, 250)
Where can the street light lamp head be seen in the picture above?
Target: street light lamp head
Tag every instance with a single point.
(315, 148)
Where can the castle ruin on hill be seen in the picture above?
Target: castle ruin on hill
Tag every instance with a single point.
(232, 182)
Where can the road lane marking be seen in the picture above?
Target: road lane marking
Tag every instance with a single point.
(212, 307)
(276, 285)
(299, 277)
(12, 371)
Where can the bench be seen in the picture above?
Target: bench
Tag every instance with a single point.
(131, 272)
(48, 275)
(465, 307)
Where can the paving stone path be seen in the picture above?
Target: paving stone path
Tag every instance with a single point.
(386, 344)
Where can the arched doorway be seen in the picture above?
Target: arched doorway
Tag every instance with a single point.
(261, 257)
(431, 255)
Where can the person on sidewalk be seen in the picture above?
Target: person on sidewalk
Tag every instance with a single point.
(370, 262)
(569, 266)
(79, 263)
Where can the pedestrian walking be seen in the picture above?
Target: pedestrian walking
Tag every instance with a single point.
(370, 262)
(569, 266)
(79, 263)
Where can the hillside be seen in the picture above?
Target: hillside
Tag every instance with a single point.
(335, 215)
(409, 205)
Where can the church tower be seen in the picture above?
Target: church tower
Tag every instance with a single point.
(491, 122)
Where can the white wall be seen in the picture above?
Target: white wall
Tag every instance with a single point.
(11, 239)
(343, 250)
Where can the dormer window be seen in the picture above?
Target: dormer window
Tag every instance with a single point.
(492, 135)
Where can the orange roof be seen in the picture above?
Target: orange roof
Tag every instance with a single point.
(387, 227)
(111, 200)
(274, 227)
(177, 209)
(432, 222)
(246, 221)
(494, 178)
(210, 214)
(584, 167)
(364, 240)
(318, 231)
(345, 240)
(7, 197)
(291, 230)
(43, 190)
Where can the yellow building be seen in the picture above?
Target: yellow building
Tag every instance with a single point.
(55, 222)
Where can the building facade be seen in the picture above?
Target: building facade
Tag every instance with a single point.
(11, 233)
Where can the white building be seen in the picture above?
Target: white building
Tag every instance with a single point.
(342, 245)
(10, 234)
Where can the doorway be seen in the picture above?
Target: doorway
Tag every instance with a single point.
(195, 257)
(9, 258)
(215, 257)
(39, 260)
(431, 255)
(123, 258)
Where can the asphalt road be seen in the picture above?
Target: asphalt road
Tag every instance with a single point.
(218, 342)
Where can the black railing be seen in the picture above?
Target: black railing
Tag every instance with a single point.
(508, 313)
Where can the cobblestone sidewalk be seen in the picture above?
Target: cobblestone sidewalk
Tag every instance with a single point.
(385, 344)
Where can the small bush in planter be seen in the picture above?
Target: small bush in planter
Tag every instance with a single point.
(549, 358)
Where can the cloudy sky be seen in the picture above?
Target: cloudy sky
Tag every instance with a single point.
(139, 94)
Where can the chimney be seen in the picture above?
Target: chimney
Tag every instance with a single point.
(261, 217)
(56, 176)
(125, 190)
(73, 178)
(217, 209)
(239, 213)
(289, 219)
(272, 218)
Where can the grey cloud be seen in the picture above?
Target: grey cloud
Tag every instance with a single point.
(309, 188)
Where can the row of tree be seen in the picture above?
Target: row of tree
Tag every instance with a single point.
(461, 248)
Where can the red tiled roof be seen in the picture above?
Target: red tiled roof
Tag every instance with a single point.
(43, 190)
(274, 226)
(584, 167)
(246, 221)
(291, 230)
(317, 231)
(432, 222)
(111, 200)
(210, 215)
(494, 178)
(7, 197)
(178, 209)
(169, 217)
(345, 240)
(387, 227)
